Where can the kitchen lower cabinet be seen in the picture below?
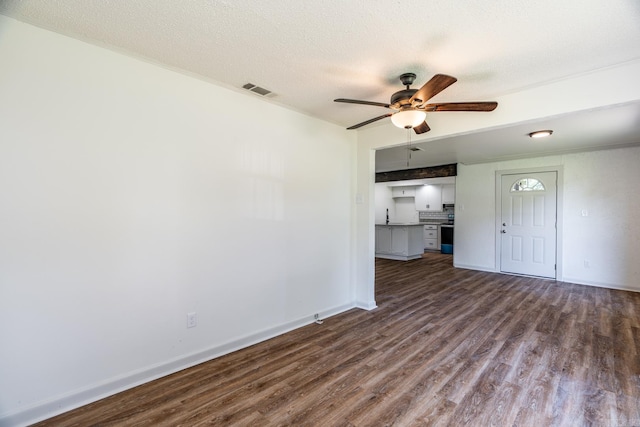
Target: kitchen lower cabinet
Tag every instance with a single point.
(431, 240)
(399, 241)
(383, 239)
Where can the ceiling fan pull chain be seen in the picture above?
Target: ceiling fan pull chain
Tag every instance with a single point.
(409, 149)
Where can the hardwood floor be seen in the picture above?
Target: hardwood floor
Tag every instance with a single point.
(444, 347)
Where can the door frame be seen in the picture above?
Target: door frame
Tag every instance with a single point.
(558, 169)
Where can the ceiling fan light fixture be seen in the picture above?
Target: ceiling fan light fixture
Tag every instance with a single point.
(540, 133)
(408, 118)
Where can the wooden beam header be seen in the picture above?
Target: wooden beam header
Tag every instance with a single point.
(418, 173)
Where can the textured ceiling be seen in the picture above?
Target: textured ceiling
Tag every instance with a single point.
(310, 52)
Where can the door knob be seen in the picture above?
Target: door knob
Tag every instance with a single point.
(503, 231)
(504, 224)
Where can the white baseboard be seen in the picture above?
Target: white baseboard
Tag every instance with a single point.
(475, 267)
(75, 399)
(370, 305)
(598, 284)
(563, 279)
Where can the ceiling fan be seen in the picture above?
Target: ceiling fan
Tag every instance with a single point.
(410, 105)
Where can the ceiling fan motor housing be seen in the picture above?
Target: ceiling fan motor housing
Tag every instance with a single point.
(402, 98)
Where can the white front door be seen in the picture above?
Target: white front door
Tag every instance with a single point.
(528, 224)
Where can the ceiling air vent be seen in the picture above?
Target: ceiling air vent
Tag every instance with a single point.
(257, 89)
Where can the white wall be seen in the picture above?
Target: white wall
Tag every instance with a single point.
(600, 182)
(406, 210)
(131, 195)
(384, 201)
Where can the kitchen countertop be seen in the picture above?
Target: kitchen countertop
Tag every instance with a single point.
(406, 224)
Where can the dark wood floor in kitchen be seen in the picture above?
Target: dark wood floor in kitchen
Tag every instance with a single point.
(444, 347)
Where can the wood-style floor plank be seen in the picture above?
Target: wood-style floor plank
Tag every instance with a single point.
(445, 347)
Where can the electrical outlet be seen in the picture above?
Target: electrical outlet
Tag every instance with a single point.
(192, 320)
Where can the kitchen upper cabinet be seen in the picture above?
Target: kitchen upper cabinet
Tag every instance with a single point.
(448, 194)
(403, 192)
(429, 198)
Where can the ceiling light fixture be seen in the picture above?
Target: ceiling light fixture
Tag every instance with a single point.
(408, 118)
(540, 133)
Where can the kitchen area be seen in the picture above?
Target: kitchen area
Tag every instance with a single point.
(413, 217)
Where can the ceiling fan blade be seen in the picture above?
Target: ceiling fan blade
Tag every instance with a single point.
(375, 119)
(422, 128)
(437, 84)
(357, 101)
(461, 106)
